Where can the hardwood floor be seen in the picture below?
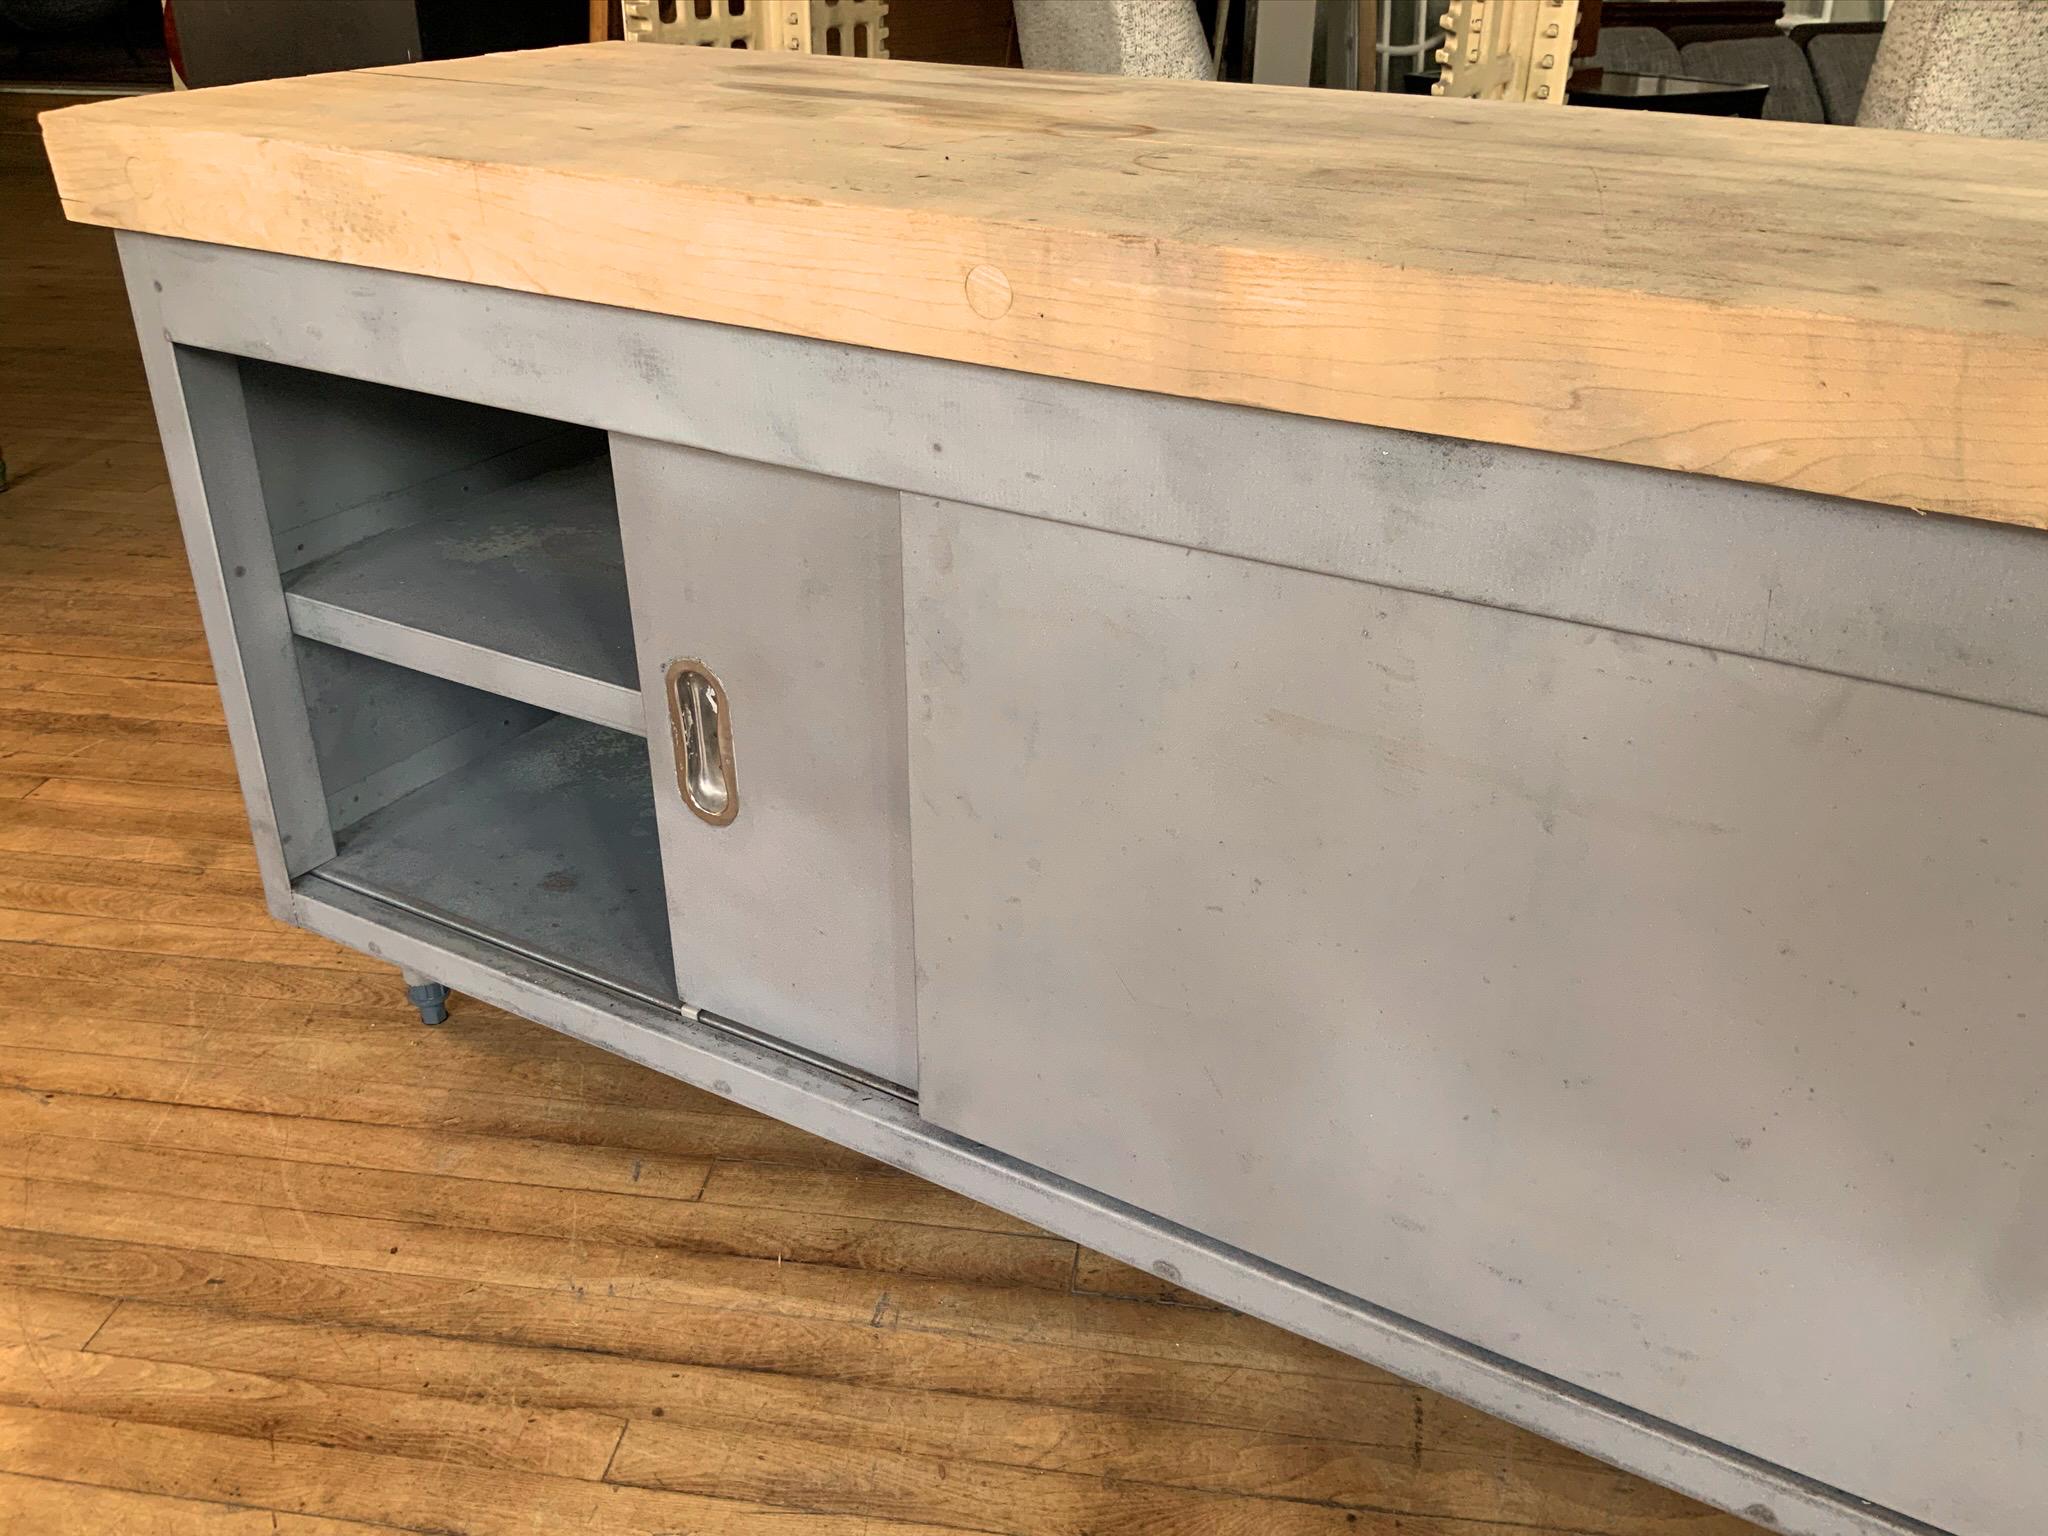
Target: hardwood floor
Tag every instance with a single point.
(273, 1258)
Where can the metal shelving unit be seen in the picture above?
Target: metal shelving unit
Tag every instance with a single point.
(519, 591)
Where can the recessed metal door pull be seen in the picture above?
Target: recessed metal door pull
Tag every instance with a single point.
(701, 724)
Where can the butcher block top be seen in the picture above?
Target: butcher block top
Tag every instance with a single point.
(1844, 310)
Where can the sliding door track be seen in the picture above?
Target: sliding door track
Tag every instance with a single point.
(484, 934)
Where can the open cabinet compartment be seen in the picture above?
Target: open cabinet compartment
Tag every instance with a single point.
(463, 645)
(530, 829)
(476, 544)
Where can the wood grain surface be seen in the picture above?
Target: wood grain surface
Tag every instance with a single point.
(275, 1259)
(1841, 310)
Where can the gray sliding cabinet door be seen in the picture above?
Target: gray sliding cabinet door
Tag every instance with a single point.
(791, 914)
(1667, 1021)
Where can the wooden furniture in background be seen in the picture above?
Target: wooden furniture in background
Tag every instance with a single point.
(935, 31)
(224, 42)
(954, 31)
(1662, 14)
(1625, 91)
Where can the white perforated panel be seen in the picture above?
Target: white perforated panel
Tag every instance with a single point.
(855, 28)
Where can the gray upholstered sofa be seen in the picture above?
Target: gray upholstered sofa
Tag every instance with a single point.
(1816, 72)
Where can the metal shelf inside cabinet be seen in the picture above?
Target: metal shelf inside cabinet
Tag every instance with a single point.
(545, 846)
(520, 591)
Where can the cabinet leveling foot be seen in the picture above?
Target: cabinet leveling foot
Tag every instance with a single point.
(430, 997)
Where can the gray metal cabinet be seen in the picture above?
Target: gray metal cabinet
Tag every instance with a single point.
(1605, 1001)
(1571, 935)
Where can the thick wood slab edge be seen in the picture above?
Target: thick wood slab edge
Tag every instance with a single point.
(1844, 311)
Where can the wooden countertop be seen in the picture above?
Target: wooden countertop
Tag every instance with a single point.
(1843, 310)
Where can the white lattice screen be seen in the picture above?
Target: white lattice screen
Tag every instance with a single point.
(857, 28)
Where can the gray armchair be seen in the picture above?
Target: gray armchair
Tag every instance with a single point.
(1777, 61)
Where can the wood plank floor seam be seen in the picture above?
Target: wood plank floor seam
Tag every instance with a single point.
(1011, 1466)
(207, 1510)
(1300, 1380)
(41, 1140)
(667, 1275)
(510, 1089)
(187, 1309)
